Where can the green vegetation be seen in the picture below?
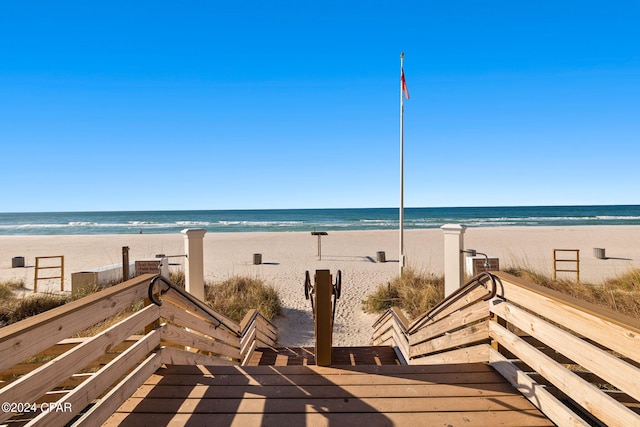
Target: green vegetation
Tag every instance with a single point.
(233, 298)
(14, 308)
(413, 293)
(236, 296)
(621, 293)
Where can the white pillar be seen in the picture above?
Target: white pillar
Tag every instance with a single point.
(453, 257)
(194, 264)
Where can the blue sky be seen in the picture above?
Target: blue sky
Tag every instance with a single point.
(150, 105)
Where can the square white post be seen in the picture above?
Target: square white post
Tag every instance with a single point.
(194, 264)
(453, 257)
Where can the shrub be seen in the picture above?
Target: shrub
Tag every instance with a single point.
(236, 296)
(412, 292)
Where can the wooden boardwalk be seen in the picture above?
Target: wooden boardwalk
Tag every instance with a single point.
(351, 394)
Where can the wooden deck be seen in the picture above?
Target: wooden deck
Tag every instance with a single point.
(361, 395)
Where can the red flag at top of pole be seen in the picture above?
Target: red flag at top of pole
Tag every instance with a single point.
(404, 84)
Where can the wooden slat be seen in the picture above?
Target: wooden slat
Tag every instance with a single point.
(263, 327)
(28, 337)
(177, 335)
(108, 404)
(449, 306)
(469, 335)
(482, 418)
(178, 315)
(247, 353)
(456, 320)
(254, 315)
(84, 394)
(600, 405)
(615, 371)
(614, 330)
(474, 354)
(537, 394)
(325, 391)
(324, 405)
(342, 371)
(180, 357)
(339, 380)
(45, 378)
(204, 312)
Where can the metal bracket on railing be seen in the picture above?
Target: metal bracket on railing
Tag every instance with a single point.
(308, 289)
(494, 285)
(337, 290)
(162, 292)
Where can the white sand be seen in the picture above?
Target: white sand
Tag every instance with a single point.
(286, 257)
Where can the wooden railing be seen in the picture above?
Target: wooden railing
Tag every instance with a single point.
(85, 379)
(578, 363)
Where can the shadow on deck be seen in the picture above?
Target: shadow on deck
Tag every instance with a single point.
(297, 393)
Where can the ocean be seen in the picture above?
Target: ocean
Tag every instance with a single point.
(156, 222)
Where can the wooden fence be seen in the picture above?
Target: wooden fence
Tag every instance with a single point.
(578, 363)
(44, 361)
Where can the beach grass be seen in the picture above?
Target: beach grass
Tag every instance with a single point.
(237, 295)
(412, 292)
(620, 293)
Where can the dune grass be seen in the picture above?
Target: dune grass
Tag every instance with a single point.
(620, 293)
(234, 297)
(413, 292)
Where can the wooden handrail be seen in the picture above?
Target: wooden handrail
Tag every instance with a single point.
(195, 335)
(568, 333)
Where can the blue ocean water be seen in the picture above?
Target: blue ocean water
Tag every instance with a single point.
(41, 223)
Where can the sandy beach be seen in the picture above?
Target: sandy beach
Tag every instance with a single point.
(286, 257)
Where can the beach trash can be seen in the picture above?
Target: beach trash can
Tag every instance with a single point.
(257, 259)
(17, 261)
(381, 256)
(599, 253)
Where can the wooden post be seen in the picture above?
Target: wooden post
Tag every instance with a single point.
(125, 263)
(194, 265)
(323, 290)
(453, 257)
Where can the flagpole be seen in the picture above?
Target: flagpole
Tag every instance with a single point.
(401, 260)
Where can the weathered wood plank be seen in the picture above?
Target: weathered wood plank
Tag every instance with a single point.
(177, 335)
(605, 365)
(309, 379)
(482, 418)
(84, 394)
(204, 312)
(469, 335)
(45, 378)
(474, 354)
(324, 405)
(456, 320)
(28, 337)
(343, 371)
(175, 356)
(449, 306)
(109, 403)
(326, 391)
(599, 404)
(614, 330)
(534, 392)
(178, 315)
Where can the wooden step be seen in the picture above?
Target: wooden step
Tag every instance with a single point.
(352, 356)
